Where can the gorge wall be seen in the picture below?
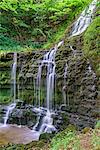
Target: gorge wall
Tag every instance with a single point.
(79, 87)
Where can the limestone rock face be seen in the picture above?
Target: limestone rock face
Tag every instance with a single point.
(80, 86)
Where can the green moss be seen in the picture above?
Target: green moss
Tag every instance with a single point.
(5, 96)
(39, 145)
(91, 45)
(4, 77)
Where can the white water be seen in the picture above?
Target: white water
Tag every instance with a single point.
(49, 62)
(64, 85)
(45, 122)
(9, 110)
(13, 76)
(50, 58)
(84, 20)
(90, 69)
(73, 50)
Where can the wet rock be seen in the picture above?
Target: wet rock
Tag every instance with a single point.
(47, 136)
(81, 89)
(22, 117)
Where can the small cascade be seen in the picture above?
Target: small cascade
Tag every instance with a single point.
(44, 123)
(90, 69)
(13, 76)
(9, 110)
(73, 50)
(84, 20)
(64, 87)
(47, 124)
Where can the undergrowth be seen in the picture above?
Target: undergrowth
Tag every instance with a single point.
(28, 25)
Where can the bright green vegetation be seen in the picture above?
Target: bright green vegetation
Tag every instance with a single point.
(4, 78)
(8, 44)
(62, 139)
(91, 44)
(34, 24)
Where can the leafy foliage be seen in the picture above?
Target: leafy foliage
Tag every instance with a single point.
(62, 139)
(8, 44)
(37, 20)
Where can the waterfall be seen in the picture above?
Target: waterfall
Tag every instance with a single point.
(13, 75)
(45, 120)
(9, 110)
(84, 20)
(49, 62)
(44, 123)
(47, 124)
(50, 58)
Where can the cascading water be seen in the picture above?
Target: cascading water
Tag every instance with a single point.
(9, 110)
(50, 57)
(84, 20)
(90, 69)
(45, 123)
(13, 77)
(64, 87)
(49, 62)
(73, 50)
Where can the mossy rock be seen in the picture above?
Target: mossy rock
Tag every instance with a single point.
(46, 136)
